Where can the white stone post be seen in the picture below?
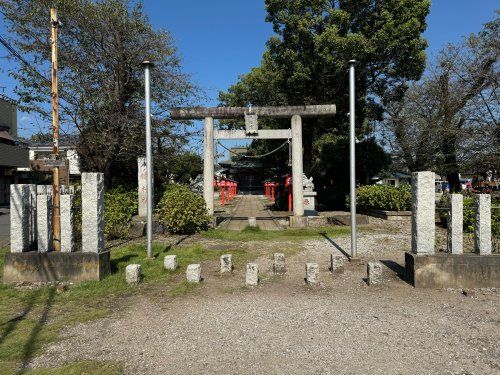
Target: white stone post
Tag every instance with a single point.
(252, 274)
(208, 165)
(297, 168)
(170, 262)
(279, 265)
(32, 208)
(226, 263)
(455, 224)
(19, 218)
(92, 212)
(142, 184)
(44, 221)
(482, 226)
(423, 213)
(193, 273)
(312, 273)
(67, 224)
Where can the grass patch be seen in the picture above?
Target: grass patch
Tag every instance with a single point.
(256, 234)
(80, 368)
(30, 319)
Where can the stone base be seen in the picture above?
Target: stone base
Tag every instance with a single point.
(44, 267)
(453, 270)
(298, 221)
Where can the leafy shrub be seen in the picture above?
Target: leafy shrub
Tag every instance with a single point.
(120, 205)
(182, 211)
(383, 197)
(469, 219)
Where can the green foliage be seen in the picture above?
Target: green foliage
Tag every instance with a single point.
(182, 211)
(185, 167)
(120, 205)
(384, 197)
(469, 219)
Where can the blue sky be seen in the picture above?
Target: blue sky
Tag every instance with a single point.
(222, 39)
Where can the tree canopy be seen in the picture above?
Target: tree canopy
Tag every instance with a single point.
(101, 47)
(306, 62)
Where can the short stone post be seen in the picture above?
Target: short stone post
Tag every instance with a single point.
(44, 221)
(336, 262)
(374, 271)
(482, 226)
(170, 262)
(133, 274)
(92, 212)
(252, 222)
(226, 263)
(423, 213)
(252, 274)
(312, 273)
(19, 218)
(193, 273)
(67, 224)
(455, 224)
(142, 183)
(279, 265)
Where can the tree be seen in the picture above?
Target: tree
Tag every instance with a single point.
(101, 47)
(306, 61)
(451, 119)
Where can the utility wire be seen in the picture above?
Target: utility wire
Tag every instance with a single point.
(255, 156)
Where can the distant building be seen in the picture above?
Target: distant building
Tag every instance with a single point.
(394, 179)
(13, 154)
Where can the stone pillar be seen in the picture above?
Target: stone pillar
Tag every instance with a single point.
(193, 273)
(482, 226)
(455, 224)
(374, 273)
(312, 273)
(252, 274)
(19, 218)
(279, 265)
(297, 168)
(208, 165)
(170, 262)
(32, 208)
(142, 183)
(133, 274)
(226, 263)
(252, 222)
(423, 213)
(67, 224)
(44, 221)
(92, 212)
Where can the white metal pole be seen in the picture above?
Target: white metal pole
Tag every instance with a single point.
(352, 157)
(149, 160)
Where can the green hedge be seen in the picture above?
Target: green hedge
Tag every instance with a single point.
(469, 219)
(119, 207)
(383, 197)
(182, 211)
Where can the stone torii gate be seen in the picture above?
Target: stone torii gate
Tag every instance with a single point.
(252, 131)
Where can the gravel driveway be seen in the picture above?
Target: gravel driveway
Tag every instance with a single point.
(342, 326)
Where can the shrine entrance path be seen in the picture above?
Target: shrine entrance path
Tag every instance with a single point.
(250, 206)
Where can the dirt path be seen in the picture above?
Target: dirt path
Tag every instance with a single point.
(250, 206)
(286, 327)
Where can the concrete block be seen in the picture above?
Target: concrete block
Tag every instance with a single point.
(67, 224)
(226, 263)
(423, 213)
(374, 273)
(455, 224)
(19, 218)
(252, 274)
(133, 274)
(279, 265)
(465, 271)
(312, 273)
(92, 212)
(482, 226)
(252, 222)
(44, 221)
(337, 261)
(298, 221)
(170, 262)
(193, 273)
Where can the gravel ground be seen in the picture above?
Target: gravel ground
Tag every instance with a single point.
(286, 327)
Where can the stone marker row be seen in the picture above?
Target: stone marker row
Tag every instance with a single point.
(31, 216)
(423, 218)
